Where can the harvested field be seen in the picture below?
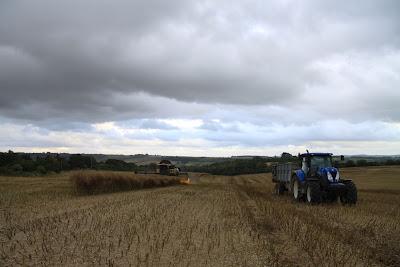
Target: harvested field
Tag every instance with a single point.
(215, 221)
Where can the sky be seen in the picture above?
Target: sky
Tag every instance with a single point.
(200, 78)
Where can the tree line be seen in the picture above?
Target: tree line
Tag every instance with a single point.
(23, 164)
(264, 164)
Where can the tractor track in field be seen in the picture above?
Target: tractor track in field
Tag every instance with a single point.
(250, 191)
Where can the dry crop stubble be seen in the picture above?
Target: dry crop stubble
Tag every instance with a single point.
(185, 225)
(217, 221)
(333, 235)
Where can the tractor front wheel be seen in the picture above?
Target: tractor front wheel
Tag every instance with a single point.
(313, 193)
(350, 194)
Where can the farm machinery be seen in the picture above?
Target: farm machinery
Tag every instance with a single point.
(165, 167)
(316, 181)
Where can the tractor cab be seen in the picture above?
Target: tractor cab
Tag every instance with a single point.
(313, 163)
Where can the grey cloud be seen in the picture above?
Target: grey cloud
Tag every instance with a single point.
(326, 131)
(155, 124)
(216, 126)
(150, 124)
(70, 58)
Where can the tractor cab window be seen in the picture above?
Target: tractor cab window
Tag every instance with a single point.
(318, 162)
(304, 166)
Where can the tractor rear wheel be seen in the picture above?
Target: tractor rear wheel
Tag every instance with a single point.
(350, 195)
(313, 193)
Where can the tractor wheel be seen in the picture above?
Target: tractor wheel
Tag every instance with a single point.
(350, 195)
(279, 189)
(296, 190)
(313, 193)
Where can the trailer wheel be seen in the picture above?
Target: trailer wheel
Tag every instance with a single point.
(350, 195)
(313, 193)
(296, 190)
(279, 189)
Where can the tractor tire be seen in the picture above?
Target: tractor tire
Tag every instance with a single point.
(279, 189)
(349, 197)
(313, 193)
(296, 190)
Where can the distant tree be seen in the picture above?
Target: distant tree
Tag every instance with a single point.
(8, 158)
(17, 168)
(233, 167)
(286, 155)
(361, 162)
(28, 165)
(41, 169)
(350, 163)
(79, 161)
(117, 165)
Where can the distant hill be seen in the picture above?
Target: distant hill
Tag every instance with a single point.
(139, 159)
(145, 159)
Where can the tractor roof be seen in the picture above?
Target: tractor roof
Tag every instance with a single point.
(315, 154)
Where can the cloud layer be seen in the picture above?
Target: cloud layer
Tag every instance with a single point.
(254, 75)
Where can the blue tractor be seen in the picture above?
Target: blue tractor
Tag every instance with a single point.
(314, 180)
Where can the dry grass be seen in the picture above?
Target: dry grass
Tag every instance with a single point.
(216, 221)
(367, 234)
(94, 182)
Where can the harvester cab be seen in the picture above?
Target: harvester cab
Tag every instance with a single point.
(315, 181)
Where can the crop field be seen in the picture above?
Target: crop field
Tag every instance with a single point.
(215, 221)
(95, 182)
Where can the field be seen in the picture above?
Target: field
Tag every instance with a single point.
(215, 221)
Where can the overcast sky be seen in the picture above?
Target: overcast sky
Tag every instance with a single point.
(204, 78)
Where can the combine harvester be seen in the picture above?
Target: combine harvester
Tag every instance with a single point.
(315, 182)
(165, 167)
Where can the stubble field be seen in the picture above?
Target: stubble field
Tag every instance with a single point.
(215, 221)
